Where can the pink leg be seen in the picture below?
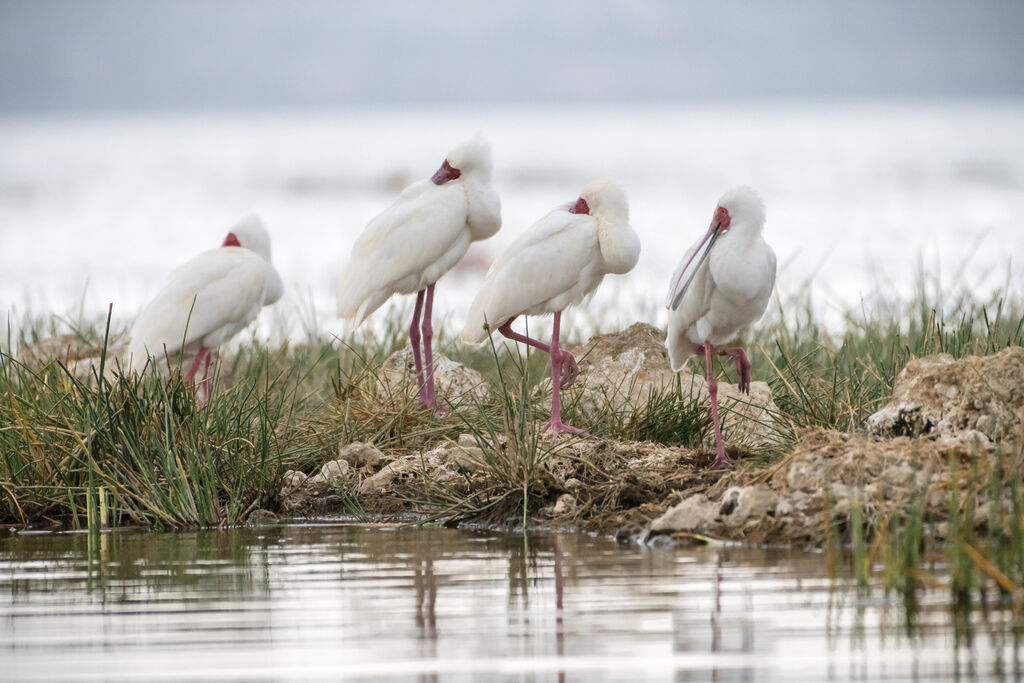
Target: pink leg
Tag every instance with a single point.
(569, 369)
(555, 423)
(428, 353)
(507, 330)
(742, 365)
(191, 374)
(722, 461)
(202, 390)
(207, 383)
(414, 340)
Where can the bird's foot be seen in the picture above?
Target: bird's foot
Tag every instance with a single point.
(745, 378)
(431, 403)
(570, 370)
(557, 426)
(723, 462)
(742, 369)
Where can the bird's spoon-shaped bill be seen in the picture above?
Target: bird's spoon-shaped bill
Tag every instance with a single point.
(676, 293)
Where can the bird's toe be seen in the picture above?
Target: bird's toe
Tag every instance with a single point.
(723, 462)
(570, 370)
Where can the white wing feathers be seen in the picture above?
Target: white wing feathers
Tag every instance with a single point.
(395, 252)
(208, 299)
(550, 261)
(483, 211)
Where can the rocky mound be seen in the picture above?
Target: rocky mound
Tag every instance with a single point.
(827, 473)
(454, 381)
(624, 369)
(78, 356)
(977, 397)
(587, 482)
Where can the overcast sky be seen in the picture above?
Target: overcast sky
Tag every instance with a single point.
(186, 54)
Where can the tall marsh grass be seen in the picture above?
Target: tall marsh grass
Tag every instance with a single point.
(108, 450)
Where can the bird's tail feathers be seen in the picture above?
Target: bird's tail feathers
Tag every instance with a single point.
(357, 305)
(478, 326)
(679, 353)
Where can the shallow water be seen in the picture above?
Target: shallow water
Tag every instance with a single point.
(329, 601)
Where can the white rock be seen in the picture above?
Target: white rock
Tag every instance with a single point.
(468, 458)
(565, 506)
(361, 454)
(753, 504)
(454, 381)
(379, 482)
(292, 480)
(335, 469)
(330, 472)
(695, 513)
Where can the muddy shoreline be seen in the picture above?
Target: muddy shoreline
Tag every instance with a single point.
(952, 429)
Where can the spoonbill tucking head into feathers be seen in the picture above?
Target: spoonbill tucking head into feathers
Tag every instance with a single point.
(208, 300)
(411, 244)
(722, 284)
(554, 264)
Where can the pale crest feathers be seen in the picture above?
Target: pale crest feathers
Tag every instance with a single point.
(252, 234)
(557, 262)
(422, 235)
(606, 199)
(208, 299)
(745, 205)
(472, 156)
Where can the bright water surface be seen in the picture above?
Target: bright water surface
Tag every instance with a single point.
(98, 209)
(326, 601)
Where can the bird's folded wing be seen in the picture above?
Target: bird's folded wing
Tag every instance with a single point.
(405, 238)
(483, 210)
(217, 288)
(549, 227)
(542, 263)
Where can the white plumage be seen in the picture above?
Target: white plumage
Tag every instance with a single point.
(208, 300)
(423, 234)
(722, 284)
(556, 263)
(730, 289)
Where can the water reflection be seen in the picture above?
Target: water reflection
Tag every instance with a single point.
(323, 601)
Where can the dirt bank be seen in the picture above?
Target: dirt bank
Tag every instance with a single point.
(950, 422)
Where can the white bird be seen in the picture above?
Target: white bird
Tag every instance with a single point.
(723, 290)
(208, 300)
(419, 238)
(556, 263)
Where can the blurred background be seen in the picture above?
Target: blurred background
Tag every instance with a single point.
(886, 139)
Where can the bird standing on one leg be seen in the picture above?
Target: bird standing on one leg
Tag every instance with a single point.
(716, 292)
(556, 263)
(208, 300)
(416, 240)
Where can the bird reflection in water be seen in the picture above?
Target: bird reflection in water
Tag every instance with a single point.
(559, 625)
(425, 584)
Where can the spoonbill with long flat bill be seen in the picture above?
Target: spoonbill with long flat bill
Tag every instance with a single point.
(722, 284)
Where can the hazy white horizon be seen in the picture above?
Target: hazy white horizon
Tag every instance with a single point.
(856, 194)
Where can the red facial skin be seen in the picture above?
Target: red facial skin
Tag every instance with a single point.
(445, 173)
(722, 219)
(580, 206)
(231, 241)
